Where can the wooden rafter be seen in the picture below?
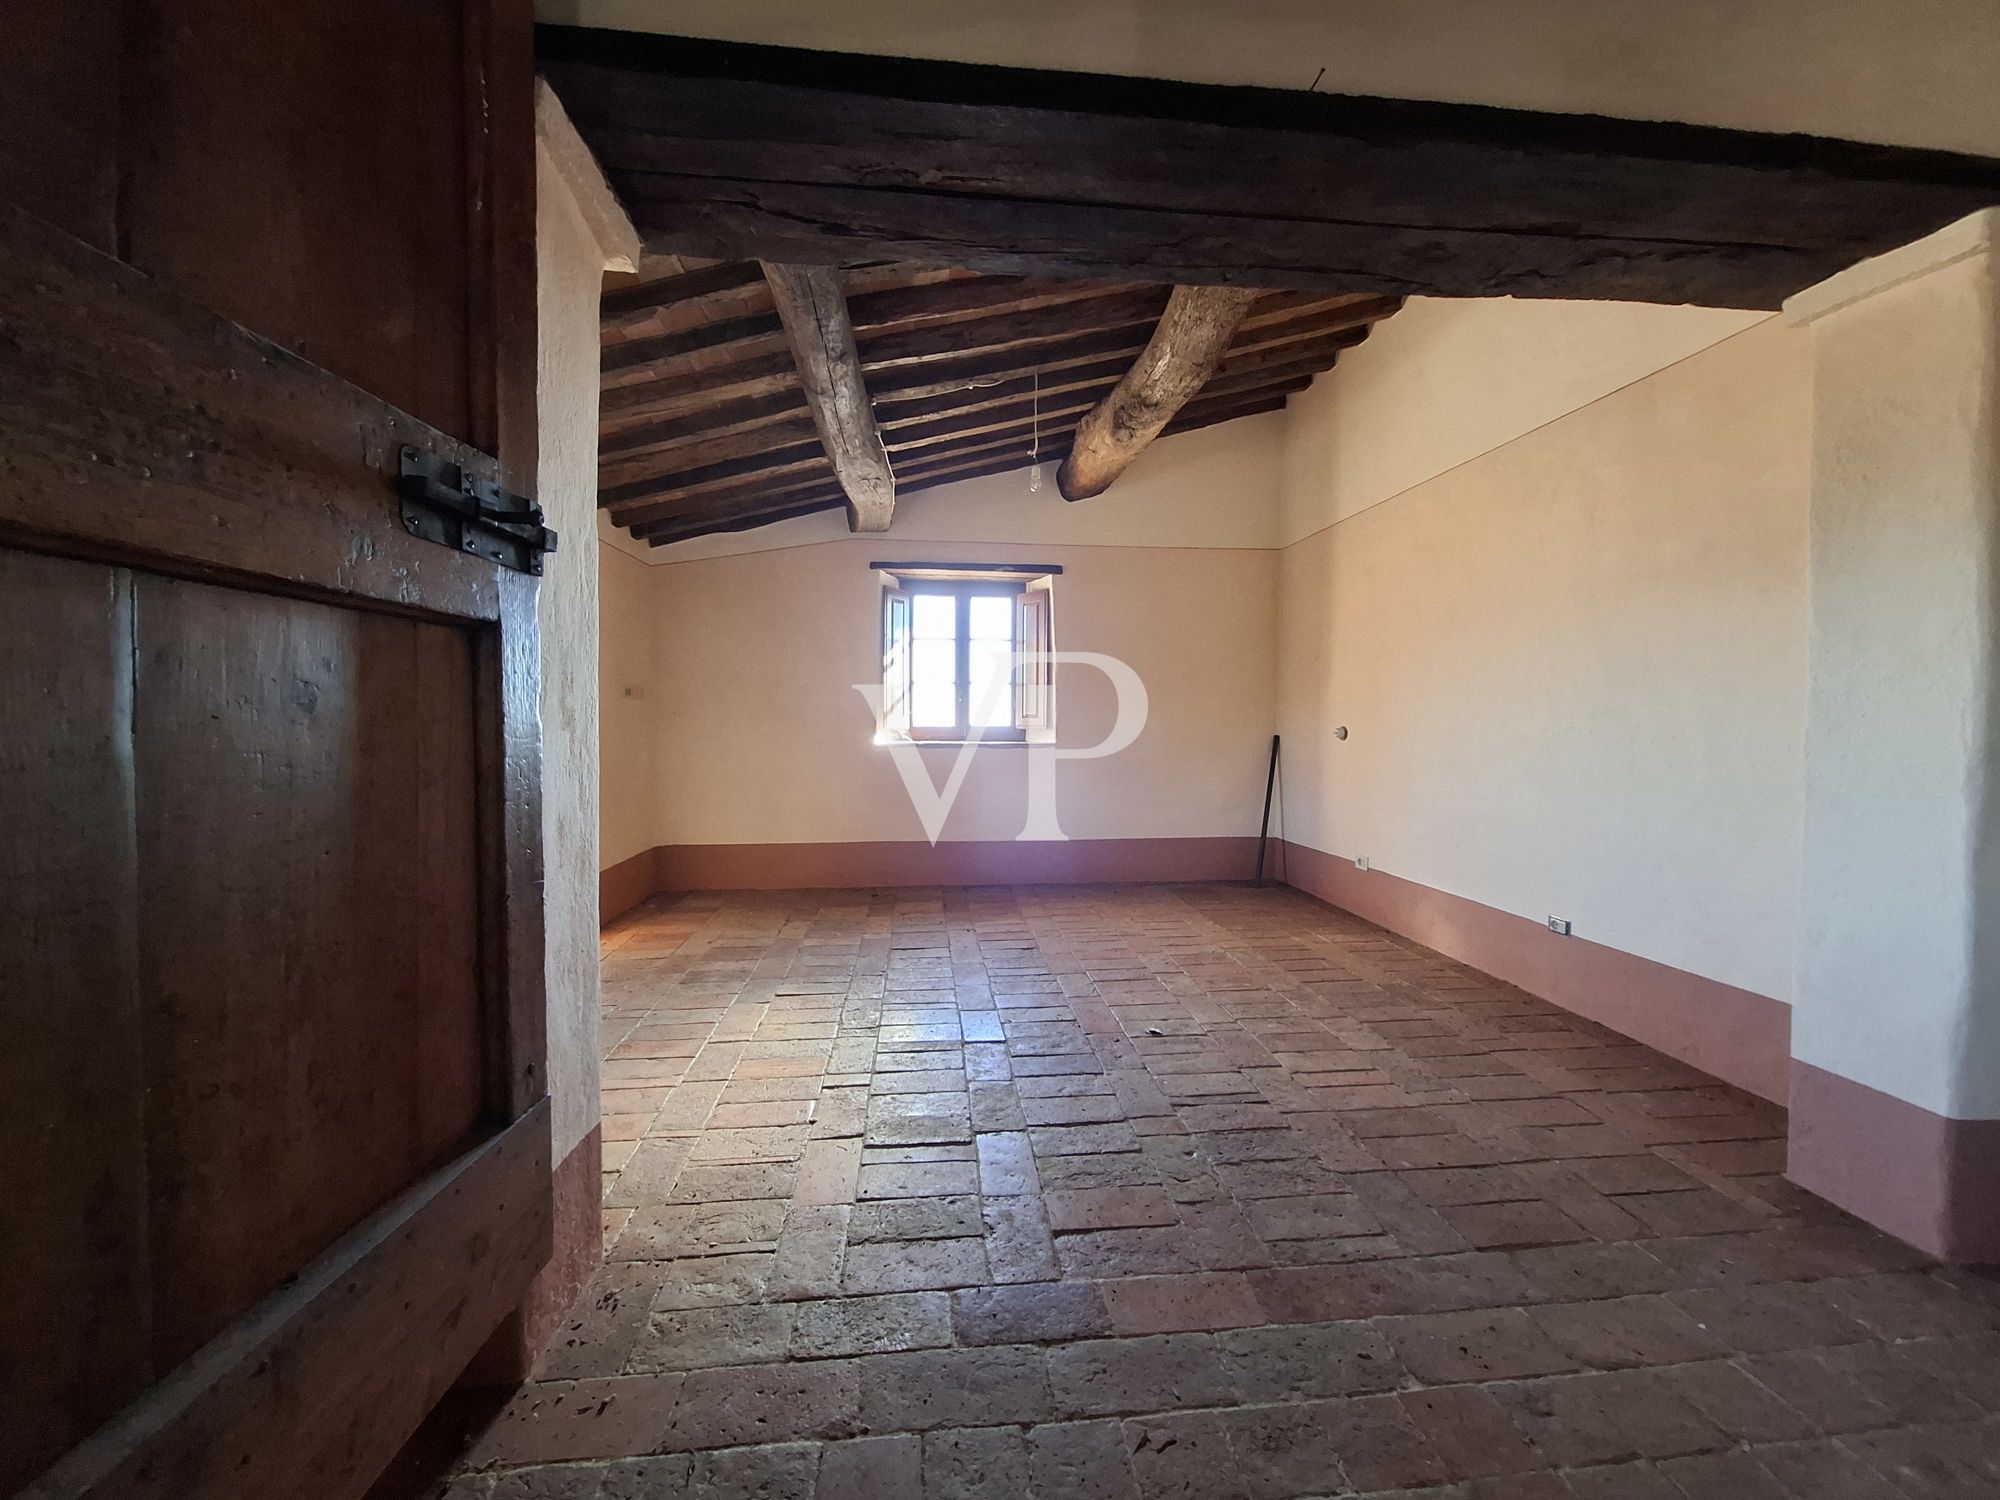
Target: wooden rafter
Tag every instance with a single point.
(814, 313)
(1178, 360)
(718, 147)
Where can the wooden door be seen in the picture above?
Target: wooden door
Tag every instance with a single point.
(274, 1140)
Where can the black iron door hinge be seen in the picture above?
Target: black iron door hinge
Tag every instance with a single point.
(443, 504)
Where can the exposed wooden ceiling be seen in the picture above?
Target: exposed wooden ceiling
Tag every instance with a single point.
(706, 425)
(1335, 206)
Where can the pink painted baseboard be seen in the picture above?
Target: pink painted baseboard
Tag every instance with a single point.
(1739, 1036)
(1930, 1181)
(622, 886)
(771, 867)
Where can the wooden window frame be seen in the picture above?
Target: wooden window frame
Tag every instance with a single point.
(1031, 698)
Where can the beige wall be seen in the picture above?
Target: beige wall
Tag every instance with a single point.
(1449, 380)
(753, 731)
(1900, 965)
(1911, 72)
(629, 781)
(1572, 664)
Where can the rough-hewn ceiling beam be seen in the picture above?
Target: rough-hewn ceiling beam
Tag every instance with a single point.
(814, 312)
(728, 150)
(1178, 360)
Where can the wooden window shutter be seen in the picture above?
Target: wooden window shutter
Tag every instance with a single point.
(896, 661)
(1034, 681)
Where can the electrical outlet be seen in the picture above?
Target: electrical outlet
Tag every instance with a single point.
(1360, 861)
(1559, 926)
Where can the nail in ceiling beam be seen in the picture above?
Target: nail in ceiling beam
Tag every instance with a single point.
(821, 334)
(1177, 361)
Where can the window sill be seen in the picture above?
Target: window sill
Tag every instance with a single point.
(961, 744)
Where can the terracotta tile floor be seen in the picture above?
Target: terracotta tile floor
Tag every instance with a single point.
(1202, 1192)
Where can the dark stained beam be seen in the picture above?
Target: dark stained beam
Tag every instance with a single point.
(761, 504)
(634, 304)
(705, 451)
(687, 390)
(769, 463)
(731, 150)
(722, 418)
(814, 312)
(1198, 326)
(698, 524)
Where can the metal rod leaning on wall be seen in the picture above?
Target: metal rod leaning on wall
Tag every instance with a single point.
(1264, 828)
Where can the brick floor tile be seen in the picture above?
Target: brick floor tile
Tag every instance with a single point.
(1769, 1317)
(975, 1463)
(1825, 1469)
(1737, 1403)
(1497, 1344)
(1577, 1420)
(1303, 1360)
(1380, 1446)
(1108, 1208)
(1185, 1456)
(1185, 1303)
(712, 1281)
(1019, 1246)
(560, 1420)
(916, 1179)
(765, 1404)
(1283, 1451)
(1006, 1164)
(1509, 1226)
(691, 1338)
(1482, 1249)
(1034, 1313)
(777, 1471)
(872, 1468)
(913, 1265)
(1107, 1377)
(1080, 1461)
(949, 1217)
(891, 1323)
(829, 1172)
(1625, 1331)
(1471, 1432)
(954, 1388)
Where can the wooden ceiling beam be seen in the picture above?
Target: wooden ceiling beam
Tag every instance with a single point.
(703, 452)
(1178, 360)
(709, 421)
(1018, 414)
(900, 347)
(664, 534)
(810, 302)
(797, 458)
(712, 510)
(749, 494)
(634, 304)
(690, 390)
(725, 149)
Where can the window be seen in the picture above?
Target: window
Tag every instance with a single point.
(965, 653)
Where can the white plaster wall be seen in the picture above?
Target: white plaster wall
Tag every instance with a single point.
(570, 275)
(1451, 379)
(1901, 875)
(750, 645)
(629, 780)
(764, 739)
(1211, 488)
(1573, 665)
(1904, 72)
